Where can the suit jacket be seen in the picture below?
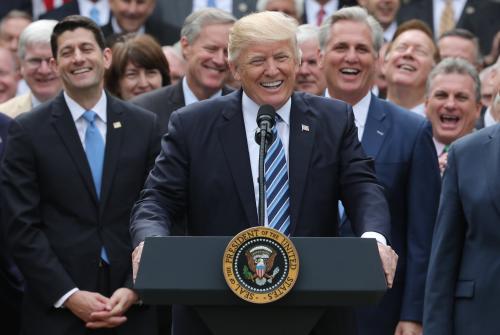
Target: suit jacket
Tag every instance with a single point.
(11, 280)
(406, 165)
(7, 6)
(172, 14)
(59, 13)
(204, 170)
(164, 101)
(341, 4)
(423, 10)
(462, 284)
(55, 221)
(17, 105)
(484, 23)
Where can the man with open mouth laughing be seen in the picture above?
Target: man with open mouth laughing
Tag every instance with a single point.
(405, 162)
(452, 103)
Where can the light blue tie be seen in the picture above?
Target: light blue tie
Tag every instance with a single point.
(211, 3)
(94, 149)
(94, 15)
(277, 191)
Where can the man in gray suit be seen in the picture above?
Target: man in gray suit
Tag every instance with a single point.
(204, 39)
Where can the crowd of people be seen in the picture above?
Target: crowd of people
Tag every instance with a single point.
(124, 119)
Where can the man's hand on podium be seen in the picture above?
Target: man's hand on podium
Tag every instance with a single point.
(389, 262)
(136, 259)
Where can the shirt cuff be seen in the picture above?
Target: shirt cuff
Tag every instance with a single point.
(59, 303)
(379, 237)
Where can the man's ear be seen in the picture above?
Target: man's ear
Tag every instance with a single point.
(234, 70)
(185, 47)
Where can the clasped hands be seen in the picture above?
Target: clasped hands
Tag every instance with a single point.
(98, 311)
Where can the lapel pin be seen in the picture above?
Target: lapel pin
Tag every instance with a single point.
(305, 128)
(117, 124)
(380, 133)
(470, 10)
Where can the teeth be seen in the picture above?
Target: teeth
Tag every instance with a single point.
(350, 71)
(80, 71)
(407, 67)
(272, 84)
(449, 118)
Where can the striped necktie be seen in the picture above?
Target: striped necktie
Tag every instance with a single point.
(447, 20)
(94, 149)
(277, 191)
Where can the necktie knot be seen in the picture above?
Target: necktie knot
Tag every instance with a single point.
(89, 116)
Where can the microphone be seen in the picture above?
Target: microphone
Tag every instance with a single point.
(266, 119)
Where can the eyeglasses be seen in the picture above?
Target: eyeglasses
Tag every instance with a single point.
(34, 63)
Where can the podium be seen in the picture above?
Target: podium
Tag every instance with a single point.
(333, 272)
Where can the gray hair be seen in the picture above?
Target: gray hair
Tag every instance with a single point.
(451, 65)
(299, 6)
(356, 14)
(307, 32)
(262, 27)
(37, 32)
(195, 22)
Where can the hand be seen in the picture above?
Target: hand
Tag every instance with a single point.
(408, 328)
(117, 306)
(84, 303)
(136, 259)
(443, 162)
(389, 262)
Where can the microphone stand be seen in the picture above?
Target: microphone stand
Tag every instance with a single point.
(262, 182)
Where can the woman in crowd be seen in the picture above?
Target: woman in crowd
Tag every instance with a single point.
(138, 66)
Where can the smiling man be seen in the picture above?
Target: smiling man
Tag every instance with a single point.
(73, 168)
(207, 169)
(40, 76)
(400, 142)
(385, 11)
(409, 60)
(453, 103)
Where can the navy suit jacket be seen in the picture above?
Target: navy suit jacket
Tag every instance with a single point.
(56, 223)
(406, 165)
(204, 170)
(462, 284)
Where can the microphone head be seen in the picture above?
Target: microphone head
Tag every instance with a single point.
(266, 113)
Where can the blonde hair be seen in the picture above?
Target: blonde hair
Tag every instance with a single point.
(261, 28)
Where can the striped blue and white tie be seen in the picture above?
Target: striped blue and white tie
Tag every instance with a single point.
(277, 191)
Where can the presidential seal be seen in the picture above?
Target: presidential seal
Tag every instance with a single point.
(260, 265)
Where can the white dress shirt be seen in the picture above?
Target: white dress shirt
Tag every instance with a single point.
(390, 31)
(439, 146)
(226, 5)
(438, 7)
(81, 127)
(102, 6)
(313, 7)
(250, 110)
(189, 96)
(118, 30)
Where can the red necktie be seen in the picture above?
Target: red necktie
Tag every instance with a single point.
(319, 17)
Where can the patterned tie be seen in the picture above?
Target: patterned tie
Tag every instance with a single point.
(447, 21)
(211, 3)
(94, 149)
(277, 192)
(320, 16)
(94, 15)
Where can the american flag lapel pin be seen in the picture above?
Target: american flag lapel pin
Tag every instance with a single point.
(305, 127)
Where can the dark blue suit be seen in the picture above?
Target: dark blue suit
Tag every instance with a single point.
(204, 170)
(406, 165)
(462, 293)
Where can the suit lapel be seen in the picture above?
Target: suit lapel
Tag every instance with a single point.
(235, 147)
(302, 133)
(376, 128)
(177, 97)
(66, 129)
(114, 139)
(492, 166)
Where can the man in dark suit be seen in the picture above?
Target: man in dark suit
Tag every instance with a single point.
(461, 296)
(204, 45)
(207, 168)
(73, 168)
(405, 163)
(98, 10)
(425, 10)
(7, 6)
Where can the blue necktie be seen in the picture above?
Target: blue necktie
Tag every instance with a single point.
(211, 3)
(94, 149)
(277, 191)
(94, 15)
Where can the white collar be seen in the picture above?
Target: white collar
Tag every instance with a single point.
(118, 30)
(250, 110)
(77, 110)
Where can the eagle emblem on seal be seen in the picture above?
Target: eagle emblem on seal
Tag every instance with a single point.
(260, 262)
